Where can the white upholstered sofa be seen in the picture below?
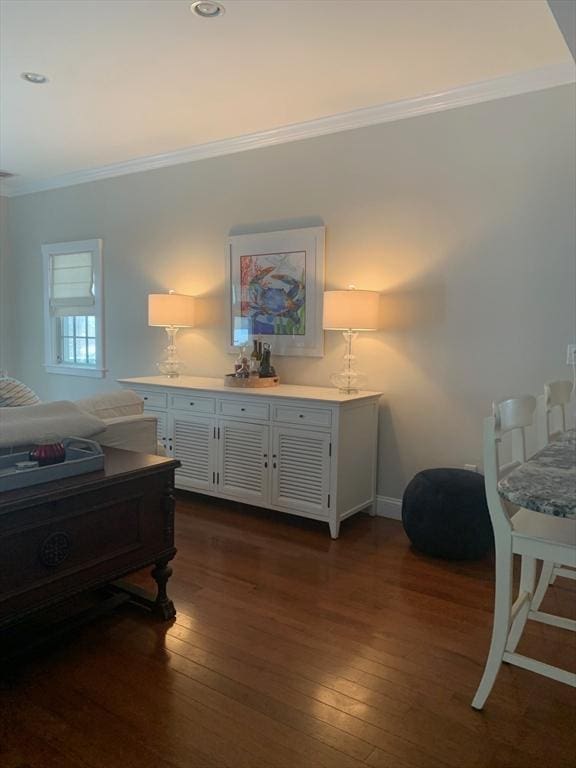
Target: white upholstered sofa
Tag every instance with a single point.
(127, 426)
(116, 419)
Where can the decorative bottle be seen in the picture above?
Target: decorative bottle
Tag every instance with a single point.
(244, 370)
(266, 368)
(238, 361)
(254, 360)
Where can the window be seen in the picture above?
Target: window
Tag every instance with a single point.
(77, 334)
(73, 308)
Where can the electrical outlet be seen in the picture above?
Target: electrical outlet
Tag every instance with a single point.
(571, 354)
(471, 467)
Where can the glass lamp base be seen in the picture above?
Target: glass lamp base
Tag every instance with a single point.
(171, 368)
(349, 382)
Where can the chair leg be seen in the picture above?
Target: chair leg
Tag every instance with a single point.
(501, 626)
(527, 581)
(543, 583)
(553, 577)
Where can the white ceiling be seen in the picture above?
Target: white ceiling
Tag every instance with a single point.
(133, 78)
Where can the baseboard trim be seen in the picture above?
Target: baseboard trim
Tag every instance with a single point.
(386, 506)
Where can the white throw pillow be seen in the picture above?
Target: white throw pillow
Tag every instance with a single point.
(31, 423)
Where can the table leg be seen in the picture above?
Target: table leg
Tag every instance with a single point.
(163, 606)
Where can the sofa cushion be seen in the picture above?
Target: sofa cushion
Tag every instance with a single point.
(14, 393)
(124, 402)
(132, 433)
(31, 423)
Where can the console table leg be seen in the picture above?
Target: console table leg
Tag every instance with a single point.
(163, 606)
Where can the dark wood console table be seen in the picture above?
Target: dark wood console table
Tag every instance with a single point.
(64, 538)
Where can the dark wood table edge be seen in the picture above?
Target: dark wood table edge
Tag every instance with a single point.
(46, 492)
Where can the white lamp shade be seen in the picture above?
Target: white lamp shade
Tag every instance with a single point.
(176, 309)
(351, 309)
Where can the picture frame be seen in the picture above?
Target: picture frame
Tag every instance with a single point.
(276, 289)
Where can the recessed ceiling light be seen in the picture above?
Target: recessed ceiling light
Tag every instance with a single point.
(34, 77)
(207, 9)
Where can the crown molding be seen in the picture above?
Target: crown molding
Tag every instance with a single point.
(515, 84)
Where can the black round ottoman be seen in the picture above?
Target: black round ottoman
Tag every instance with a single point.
(444, 513)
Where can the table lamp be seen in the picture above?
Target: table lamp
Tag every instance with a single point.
(170, 311)
(350, 311)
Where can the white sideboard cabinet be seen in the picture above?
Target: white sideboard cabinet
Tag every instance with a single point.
(308, 451)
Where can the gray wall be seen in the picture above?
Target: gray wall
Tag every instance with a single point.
(464, 219)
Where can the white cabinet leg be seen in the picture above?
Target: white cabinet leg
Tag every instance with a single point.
(334, 528)
(500, 629)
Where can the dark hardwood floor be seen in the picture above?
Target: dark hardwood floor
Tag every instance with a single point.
(294, 651)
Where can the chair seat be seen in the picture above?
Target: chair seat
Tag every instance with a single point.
(529, 525)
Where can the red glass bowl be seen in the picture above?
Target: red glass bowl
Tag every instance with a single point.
(48, 453)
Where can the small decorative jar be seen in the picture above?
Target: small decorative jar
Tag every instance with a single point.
(47, 451)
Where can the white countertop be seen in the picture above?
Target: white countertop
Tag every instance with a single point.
(293, 391)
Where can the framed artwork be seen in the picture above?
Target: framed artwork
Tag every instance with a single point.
(276, 286)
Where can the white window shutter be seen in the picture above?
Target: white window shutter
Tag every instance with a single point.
(72, 284)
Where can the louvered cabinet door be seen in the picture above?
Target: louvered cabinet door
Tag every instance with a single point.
(191, 441)
(301, 470)
(243, 461)
(161, 426)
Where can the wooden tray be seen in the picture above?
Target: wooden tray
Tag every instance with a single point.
(252, 382)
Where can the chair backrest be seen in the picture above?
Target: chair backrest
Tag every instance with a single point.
(552, 410)
(509, 416)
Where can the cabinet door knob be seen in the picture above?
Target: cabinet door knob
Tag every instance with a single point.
(242, 409)
(191, 403)
(145, 397)
(301, 415)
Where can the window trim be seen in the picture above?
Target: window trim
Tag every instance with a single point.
(51, 364)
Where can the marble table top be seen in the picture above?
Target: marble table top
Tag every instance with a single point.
(546, 482)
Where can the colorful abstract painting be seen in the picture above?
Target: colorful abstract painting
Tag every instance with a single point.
(276, 289)
(273, 293)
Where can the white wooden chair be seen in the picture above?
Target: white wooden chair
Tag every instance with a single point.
(551, 421)
(533, 536)
(552, 410)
